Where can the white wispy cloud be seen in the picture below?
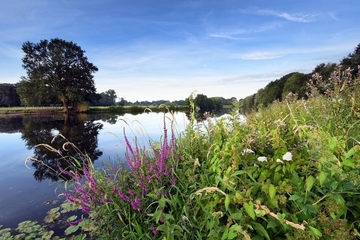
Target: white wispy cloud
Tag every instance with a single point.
(260, 55)
(10, 50)
(235, 33)
(227, 37)
(294, 17)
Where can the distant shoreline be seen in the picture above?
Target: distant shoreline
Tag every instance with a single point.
(20, 111)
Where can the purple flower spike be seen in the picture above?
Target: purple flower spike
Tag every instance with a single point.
(124, 196)
(136, 204)
(76, 222)
(85, 208)
(154, 231)
(173, 180)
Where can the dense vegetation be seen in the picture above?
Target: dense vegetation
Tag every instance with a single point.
(296, 83)
(290, 171)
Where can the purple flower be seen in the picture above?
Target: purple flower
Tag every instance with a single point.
(85, 208)
(136, 204)
(76, 222)
(151, 168)
(154, 231)
(173, 180)
(66, 172)
(123, 196)
(149, 178)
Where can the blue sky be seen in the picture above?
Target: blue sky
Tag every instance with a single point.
(167, 49)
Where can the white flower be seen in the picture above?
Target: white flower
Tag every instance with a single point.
(262, 159)
(247, 150)
(255, 165)
(287, 156)
(279, 161)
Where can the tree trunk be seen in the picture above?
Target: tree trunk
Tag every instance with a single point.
(66, 107)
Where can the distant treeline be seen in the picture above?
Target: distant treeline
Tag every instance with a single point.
(296, 83)
(10, 98)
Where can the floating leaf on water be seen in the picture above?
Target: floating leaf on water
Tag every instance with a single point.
(52, 217)
(47, 235)
(72, 218)
(68, 207)
(71, 229)
(27, 226)
(4, 231)
(53, 210)
(87, 225)
(52, 202)
(20, 236)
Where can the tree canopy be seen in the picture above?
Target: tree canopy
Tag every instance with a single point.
(61, 68)
(352, 60)
(8, 95)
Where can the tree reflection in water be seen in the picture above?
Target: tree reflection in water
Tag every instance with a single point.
(76, 129)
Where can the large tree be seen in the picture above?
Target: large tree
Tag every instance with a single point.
(62, 67)
(352, 60)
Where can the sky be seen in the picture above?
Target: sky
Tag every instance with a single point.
(168, 49)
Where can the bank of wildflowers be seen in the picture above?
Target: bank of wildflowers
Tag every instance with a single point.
(290, 171)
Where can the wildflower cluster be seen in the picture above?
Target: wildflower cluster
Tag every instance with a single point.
(122, 188)
(86, 191)
(152, 169)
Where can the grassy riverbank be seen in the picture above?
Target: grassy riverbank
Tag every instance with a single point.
(291, 171)
(108, 109)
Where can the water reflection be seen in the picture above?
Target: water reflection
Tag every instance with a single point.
(77, 130)
(81, 130)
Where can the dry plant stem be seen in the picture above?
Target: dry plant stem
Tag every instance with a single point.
(36, 160)
(246, 236)
(294, 225)
(209, 190)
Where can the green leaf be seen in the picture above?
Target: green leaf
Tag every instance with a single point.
(72, 218)
(294, 197)
(227, 202)
(157, 215)
(322, 178)
(249, 208)
(152, 195)
(272, 224)
(236, 216)
(71, 229)
(231, 234)
(53, 210)
(348, 163)
(309, 183)
(352, 151)
(261, 230)
(236, 227)
(272, 191)
(81, 236)
(242, 172)
(315, 232)
(225, 234)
